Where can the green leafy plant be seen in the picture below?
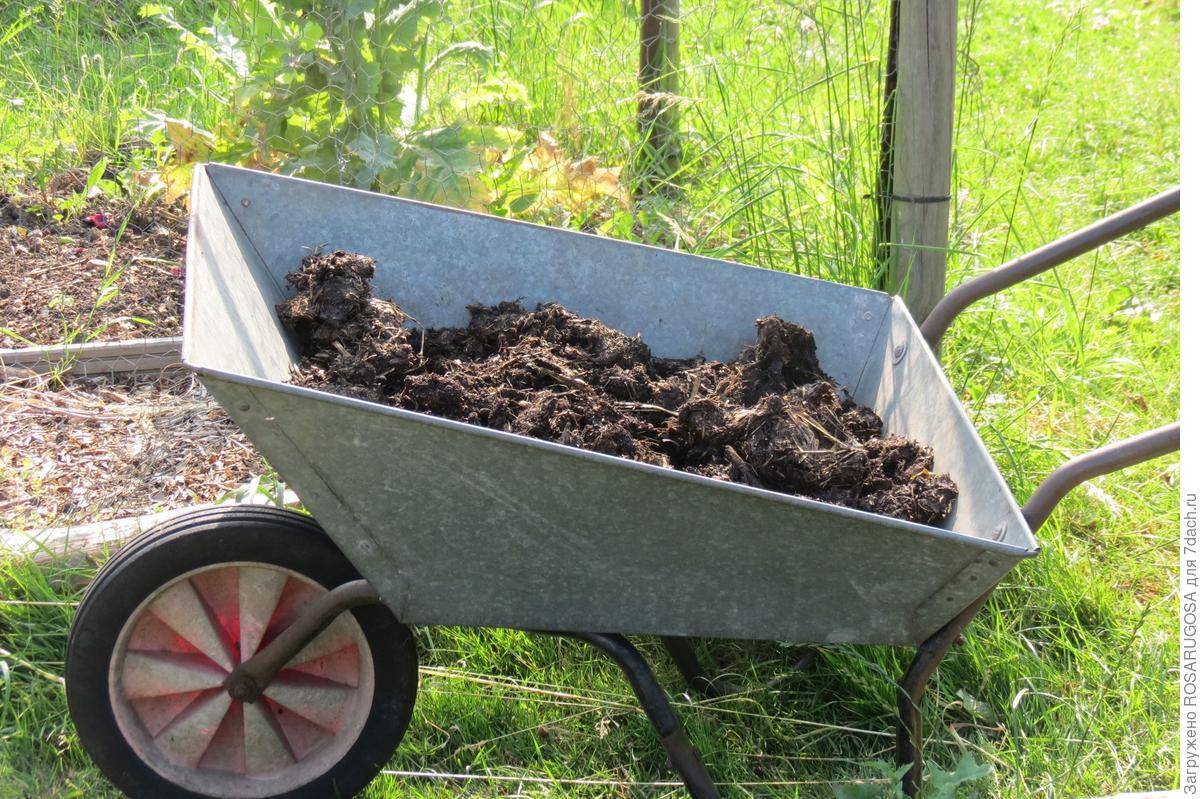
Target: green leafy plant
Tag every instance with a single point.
(958, 783)
(73, 205)
(25, 17)
(84, 328)
(339, 91)
(263, 489)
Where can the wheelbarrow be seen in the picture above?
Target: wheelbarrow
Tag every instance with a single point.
(255, 652)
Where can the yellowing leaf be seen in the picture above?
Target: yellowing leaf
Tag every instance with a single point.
(577, 186)
(191, 144)
(176, 180)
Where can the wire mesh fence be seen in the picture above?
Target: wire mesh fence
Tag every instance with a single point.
(530, 108)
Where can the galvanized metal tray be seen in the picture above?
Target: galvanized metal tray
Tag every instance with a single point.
(457, 524)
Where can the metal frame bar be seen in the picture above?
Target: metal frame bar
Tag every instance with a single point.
(934, 649)
(1044, 258)
(1092, 464)
(683, 655)
(912, 687)
(1039, 506)
(684, 757)
(247, 682)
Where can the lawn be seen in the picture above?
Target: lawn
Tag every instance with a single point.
(1066, 684)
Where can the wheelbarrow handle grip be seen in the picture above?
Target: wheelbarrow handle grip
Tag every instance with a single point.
(1111, 458)
(1045, 258)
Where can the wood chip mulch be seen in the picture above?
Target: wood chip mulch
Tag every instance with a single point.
(103, 448)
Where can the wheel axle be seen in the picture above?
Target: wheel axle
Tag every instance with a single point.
(247, 682)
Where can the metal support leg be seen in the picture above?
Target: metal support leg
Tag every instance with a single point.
(683, 655)
(803, 662)
(912, 688)
(684, 756)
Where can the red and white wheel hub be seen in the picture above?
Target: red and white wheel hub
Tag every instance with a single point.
(179, 646)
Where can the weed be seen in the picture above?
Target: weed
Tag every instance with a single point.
(263, 489)
(960, 781)
(339, 93)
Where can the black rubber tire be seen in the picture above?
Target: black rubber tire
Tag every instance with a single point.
(209, 537)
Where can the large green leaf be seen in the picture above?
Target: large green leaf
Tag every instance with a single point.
(947, 784)
(402, 26)
(494, 90)
(471, 51)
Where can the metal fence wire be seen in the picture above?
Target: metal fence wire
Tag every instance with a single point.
(767, 149)
(531, 110)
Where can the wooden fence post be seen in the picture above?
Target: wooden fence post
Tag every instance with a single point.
(658, 88)
(916, 207)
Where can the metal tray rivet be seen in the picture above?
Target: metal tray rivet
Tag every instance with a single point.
(993, 563)
(867, 315)
(245, 202)
(898, 353)
(949, 599)
(243, 406)
(973, 578)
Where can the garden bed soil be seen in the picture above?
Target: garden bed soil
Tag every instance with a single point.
(52, 271)
(95, 449)
(771, 418)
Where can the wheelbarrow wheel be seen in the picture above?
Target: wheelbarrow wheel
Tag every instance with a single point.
(171, 615)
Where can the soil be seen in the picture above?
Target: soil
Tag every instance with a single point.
(51, 271)
(771, 418)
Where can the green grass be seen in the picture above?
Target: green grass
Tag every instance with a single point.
(778, 118)
(1066, 682)
(80, 79)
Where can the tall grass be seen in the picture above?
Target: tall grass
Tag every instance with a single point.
(779, 110)
(78, 79)
(1065, 112)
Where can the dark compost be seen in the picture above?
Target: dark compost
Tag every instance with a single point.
(770, 419)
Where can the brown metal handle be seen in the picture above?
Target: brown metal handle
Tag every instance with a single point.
(1045, 258)
(247, 682)
(1116, 456)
